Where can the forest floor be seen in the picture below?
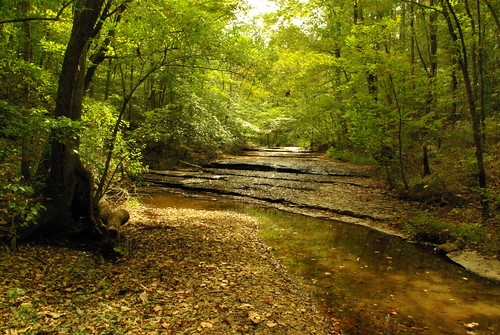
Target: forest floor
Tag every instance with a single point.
(184, 272)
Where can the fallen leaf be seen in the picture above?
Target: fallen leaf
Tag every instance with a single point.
(53, 315)
(101, 283)
(245, 306)
(26, 305)
(271, 324)
(255, 318)
(471, 325)
(144, 297)
(206, 325)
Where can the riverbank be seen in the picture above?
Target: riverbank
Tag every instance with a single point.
(303, 182)
(184, 272)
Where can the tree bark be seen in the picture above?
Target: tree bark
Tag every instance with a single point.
(453, 24)
(113, 220)
(69, 185)
(26, 152)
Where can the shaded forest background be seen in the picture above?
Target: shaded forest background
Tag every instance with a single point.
(410, 86)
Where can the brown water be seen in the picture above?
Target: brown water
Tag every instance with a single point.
(372, 282)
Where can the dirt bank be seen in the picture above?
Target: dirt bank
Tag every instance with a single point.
(481, 265)
(185, 272)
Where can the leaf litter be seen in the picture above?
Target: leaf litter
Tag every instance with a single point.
(184, 272)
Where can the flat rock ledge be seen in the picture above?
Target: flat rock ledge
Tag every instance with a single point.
(473, 261)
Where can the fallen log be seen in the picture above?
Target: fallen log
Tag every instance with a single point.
(113, 220)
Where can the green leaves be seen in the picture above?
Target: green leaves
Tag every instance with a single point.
(21, 209)
(98, 121)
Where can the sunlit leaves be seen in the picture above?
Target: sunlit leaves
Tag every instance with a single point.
(99, 119)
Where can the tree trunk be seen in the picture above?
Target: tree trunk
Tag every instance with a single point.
(425, 159)
(462, 59)
(69, 185)
(26, 152)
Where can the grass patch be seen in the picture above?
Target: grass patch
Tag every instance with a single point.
(351, 157)
(425, 228)
(435, 189)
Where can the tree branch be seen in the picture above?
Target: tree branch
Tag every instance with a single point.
(422, 5)
(493, 13)
(26, 19)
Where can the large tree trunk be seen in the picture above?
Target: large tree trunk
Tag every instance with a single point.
(69, 185)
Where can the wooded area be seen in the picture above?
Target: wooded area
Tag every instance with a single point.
(92, 92)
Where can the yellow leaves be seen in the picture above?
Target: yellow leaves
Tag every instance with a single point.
(206, 325)
(143, 297)
(471, 325)
(27, 305)
(255, 318)
(245, 307)
(52, 315)
(271, 324)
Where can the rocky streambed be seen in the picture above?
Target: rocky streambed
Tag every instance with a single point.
(366, 279)
(290, 179)
(299, 181)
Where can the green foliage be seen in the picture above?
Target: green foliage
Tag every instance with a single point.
(192, 83)
(349, 156)
(186, 130)
(64, 130)
(424, 228)
(19, 209)
(26, 92)
(98, 121)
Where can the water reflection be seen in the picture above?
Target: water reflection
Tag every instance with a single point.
(372, 282)
(386, 277)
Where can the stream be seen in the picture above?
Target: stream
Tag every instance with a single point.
(370, 281)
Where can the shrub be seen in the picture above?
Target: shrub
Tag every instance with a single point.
(434, 189)
(188, 131)
(98, 121)
(424, 228)
(19, 209)
(347, 156)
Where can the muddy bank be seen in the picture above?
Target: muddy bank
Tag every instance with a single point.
(481, 265)
(302, 182)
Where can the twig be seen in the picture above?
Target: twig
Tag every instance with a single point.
(25, 19)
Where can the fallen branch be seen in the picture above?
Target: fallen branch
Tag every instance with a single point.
(113, 220)
(191, 164)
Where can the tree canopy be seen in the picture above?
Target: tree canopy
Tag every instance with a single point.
(94, 91)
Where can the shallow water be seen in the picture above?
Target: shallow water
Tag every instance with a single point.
(372, 282)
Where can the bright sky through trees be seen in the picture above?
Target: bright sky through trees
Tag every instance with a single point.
(261, 7)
